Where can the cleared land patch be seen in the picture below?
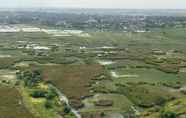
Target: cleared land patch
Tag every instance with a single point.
(119, 103)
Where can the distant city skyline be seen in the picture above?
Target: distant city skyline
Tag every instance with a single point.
(121, 4)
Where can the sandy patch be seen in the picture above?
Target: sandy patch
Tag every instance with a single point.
(182, 70)
(22, 64)
(115, 75)
(102, 62)
(8, 77)
(5, 56)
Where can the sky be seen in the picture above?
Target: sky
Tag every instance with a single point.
(123, 4)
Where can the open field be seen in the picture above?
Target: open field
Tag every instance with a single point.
(81, 75)
(11, 105)
(146, 75)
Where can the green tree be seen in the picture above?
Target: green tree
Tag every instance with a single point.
(168, 115)
(48, 104)
(38, 94)
(51, 93)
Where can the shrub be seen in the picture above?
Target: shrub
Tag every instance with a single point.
(67, 109)
(48, 104)
(168, 115)
(51, 94)
(38, 94)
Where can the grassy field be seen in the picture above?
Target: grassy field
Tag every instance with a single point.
(72, 80)
(7, 62)
(11, 105)
(146, 75)
(146, 95)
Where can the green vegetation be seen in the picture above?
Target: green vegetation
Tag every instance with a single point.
(145, 95)
(39, 96)
(168, 115)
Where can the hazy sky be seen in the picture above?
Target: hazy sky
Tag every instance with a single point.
(157, 4)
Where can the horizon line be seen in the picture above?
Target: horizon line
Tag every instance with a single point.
(37, 7)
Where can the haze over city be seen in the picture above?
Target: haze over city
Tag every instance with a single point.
(92, 59)
(122, 4)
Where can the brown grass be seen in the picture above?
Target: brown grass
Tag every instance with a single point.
(11, 105)
(72, 79)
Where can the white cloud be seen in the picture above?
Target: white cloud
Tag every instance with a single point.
(176, 4)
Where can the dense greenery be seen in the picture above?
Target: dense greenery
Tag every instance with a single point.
(168, 115)
(30, 78)
(38, 89)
